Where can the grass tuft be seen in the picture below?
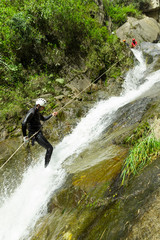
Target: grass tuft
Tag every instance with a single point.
(141, 154)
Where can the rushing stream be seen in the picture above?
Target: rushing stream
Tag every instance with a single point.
(21, 210)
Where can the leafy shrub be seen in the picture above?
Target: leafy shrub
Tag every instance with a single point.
(118, 13)
(142, 153)
(68, 22)
(11, 103)
(38, 85)
(139, 4)
(36, 38)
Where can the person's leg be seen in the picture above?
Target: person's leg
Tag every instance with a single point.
(44, 143)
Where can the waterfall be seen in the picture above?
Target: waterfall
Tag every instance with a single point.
(21, 210)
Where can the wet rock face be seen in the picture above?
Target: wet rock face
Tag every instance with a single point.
(92, 204)
(118, 213)
(132, 112)
(150, 49)
(129, 206)
(147, 224)
(152, 54)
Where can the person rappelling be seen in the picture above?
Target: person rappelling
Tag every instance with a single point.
(133, 43)
(32, 123)
(124, 41)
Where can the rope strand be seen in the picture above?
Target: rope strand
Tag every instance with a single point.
(59, 111)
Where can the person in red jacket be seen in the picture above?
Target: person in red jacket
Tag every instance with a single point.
(134, 43)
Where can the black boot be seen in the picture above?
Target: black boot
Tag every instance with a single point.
(48, 156)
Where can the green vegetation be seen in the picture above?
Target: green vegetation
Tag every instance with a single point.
(118, 12)
(139, 134)
(145, 150)
(139, 4)
(39, 38)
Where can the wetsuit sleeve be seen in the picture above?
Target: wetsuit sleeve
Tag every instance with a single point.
(26, 120)
(45, 118)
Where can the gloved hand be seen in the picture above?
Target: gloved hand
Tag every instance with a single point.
(25, 139)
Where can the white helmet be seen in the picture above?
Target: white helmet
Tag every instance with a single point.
(41, 101)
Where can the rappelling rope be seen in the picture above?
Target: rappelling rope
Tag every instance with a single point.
(60, 110)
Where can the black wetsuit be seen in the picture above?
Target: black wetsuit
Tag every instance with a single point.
(32, 122)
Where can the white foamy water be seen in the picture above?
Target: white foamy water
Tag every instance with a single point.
(20, 212)
(134, 76)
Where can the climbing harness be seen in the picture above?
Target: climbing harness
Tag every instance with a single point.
(59, 111)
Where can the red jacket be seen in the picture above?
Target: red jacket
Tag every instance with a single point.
(134, 43)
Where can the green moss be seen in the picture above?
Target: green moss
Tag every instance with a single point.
(96, 178)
